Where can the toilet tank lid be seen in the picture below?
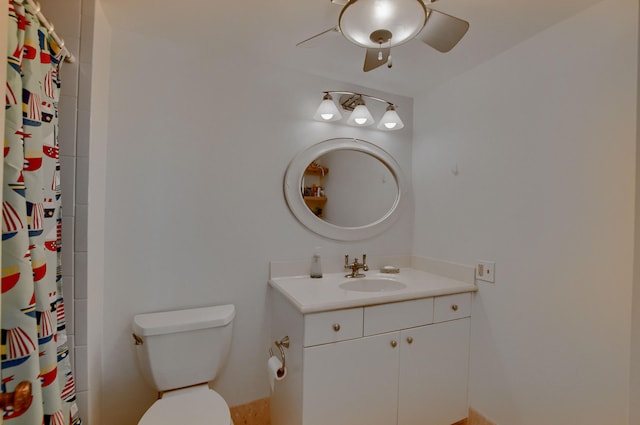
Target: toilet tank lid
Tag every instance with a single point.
(183, 320)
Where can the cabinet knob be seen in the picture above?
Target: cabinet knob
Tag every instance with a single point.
(394, 343)
(336, 327)
(410, 340)
(454, 307)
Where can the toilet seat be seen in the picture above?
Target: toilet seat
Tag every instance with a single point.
(193, 406)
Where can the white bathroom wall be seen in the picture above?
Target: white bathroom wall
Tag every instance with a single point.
(98, 119)
(634, 393)
(196, 153)
(544, 137)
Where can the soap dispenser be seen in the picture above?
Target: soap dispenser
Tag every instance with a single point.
(316, 267)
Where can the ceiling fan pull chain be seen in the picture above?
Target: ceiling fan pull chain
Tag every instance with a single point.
(389, 63)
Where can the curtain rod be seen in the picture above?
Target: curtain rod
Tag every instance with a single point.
(36, 11)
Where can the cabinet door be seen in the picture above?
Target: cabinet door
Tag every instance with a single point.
(352, 382)
(434, 368)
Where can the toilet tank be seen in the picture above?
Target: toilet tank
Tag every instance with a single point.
(180, 348)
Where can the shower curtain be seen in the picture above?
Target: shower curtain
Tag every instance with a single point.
(34, 343)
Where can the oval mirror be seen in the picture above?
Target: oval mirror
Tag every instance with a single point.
(345, 189)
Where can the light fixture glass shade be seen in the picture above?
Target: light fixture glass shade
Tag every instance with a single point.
(390, 120)
(327, 111)
(360, 117)
(403, 18)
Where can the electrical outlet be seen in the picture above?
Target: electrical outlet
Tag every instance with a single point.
(485, 271)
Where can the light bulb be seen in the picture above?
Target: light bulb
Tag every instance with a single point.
(390, 120)
(360, 116)
(327, 111)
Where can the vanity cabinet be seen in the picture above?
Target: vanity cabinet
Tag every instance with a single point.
(403, 363)
(351, 382)
(433, 371)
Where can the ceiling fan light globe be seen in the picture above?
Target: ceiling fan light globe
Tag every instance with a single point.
(360, 117)
(327, 111)
(404, 19)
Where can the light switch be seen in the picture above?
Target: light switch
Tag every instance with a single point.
(485, 271)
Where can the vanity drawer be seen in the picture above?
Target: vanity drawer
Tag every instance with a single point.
(395, 316)
(332, 326)
(451, 307)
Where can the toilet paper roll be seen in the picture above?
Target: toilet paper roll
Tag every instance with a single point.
(273, 369)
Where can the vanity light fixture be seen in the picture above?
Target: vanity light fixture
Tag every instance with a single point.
(360, 115)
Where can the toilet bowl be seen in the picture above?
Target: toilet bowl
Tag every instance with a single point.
(179, 352)
(194, 406)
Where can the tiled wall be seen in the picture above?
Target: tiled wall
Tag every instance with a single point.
(73, 21)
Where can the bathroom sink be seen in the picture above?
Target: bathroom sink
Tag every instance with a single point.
(372, 285)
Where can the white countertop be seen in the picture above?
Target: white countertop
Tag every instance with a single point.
(315, 295)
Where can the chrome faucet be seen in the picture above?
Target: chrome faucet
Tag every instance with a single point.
(355, 266)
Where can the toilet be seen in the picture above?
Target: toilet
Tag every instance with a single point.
(179, 352)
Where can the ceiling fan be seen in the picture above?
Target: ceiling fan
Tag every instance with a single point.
(379, 25)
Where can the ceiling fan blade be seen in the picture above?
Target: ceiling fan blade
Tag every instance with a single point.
(309, 41)
(373, 59)
(442, 31)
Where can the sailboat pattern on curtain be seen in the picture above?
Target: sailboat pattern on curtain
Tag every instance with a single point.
(33, 340)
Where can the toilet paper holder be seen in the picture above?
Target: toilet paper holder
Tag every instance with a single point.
(281, 345)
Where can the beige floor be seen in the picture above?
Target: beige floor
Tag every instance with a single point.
(258, 413)
(254, 413)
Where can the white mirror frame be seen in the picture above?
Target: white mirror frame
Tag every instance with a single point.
(295, 201)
